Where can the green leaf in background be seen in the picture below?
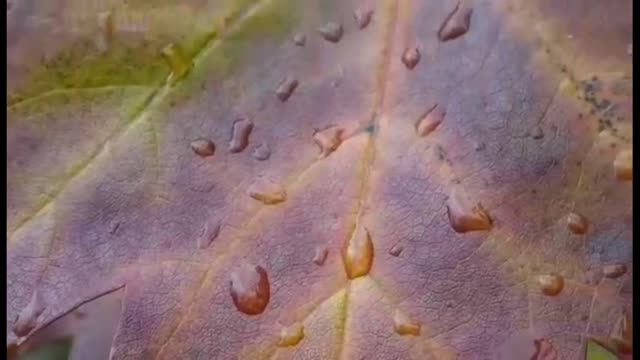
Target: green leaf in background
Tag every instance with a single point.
(596, 351)
(56, 350)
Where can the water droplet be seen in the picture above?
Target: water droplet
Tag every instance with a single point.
(240, 135)
(430, 120)
(544, 350)
(320, 256)
(550, 284)
(536, 133)
(465, 217)
(396, 250)
(28, 317)
(357, 255)
(623, 165)
(203, 147)
(613, 271)
(300, 39)
(262, 152)
(331, 32)
(577, 223)
(267, 191)
(210, 232)
(250, 290)
(362, 17)
(286, 88)
(177, 61)
(328, 139)
(411, 57)
(479, 146)
(456, 23)
(403, 325)
(291, 335)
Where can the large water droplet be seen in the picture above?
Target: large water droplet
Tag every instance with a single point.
(262, 152)
(396, 250)
(300, 39)
(613, 271)
(623, 165)
(456, 23)
(410, 57)
(577, 223)
(177, 61)
(28, 317)
(328, 139)
(331, 32)
(291, 335)
(430, 120)
(320, 255)
(250, 290)
(403, 325)
(209, 232)
(203, 147)
(362, 17)
(267, 191)
(286, 88)
(240, 135)
(465, 217)
(550, 284)
(357, 255)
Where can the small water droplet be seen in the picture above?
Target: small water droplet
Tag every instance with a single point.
(331, 32)
(250, 289)
(536, 133)
(328, 139)
(456, 23)
(357, 255)
(411, 57)
(286, 88)
(550, 284)
(300, 39)
(577, 223)
(27, 320)
(320, 256)
(291, 335)
(203, 147)
(430, 120)
(262, 152)
(613, 271)
(396, 250)
(177, 61)
(465, 217)
(210, 232)
(240, 135)
(404, 326)
(362, 17)
(479, 146)
(267, 191)
(623, 165)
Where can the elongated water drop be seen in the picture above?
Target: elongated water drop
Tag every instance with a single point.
(456, 23)
(177, 61)
(209, 232)
(577, 223)
(614, 271)
(331, 32)
(291, 335)
(328, 140)
(357, 254)
(430, 120)
(403, 325)
(203, 147)
(240, 135)
(396, 250)
(465, 217)
(286, 88)
(623, 165)
(28, 317)
(267, 191)
(320, 255)
(250, 289)
(551, 284)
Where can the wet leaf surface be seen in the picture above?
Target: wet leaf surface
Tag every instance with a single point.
(354, 232)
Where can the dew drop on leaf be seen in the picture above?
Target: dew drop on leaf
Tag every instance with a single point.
(613, 271)
(403, 325)
(362, 17)
(320, 255)
(286, 88)
(291, 335)
(357, 254)
(300, 39)
(262, 152)
(240, 135)
(577, 223)
(410, 57)
(28, 317)
(623, 165)
(328, 140)
(209, 233)
(430, 120)
(465, 217)
(536, 133)
(267, 191)
(250, 289)
(550, 284)
(396, 250)
(331, 32)
(203, 147)
(456, 23)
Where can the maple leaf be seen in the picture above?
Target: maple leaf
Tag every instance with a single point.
(322, 179)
